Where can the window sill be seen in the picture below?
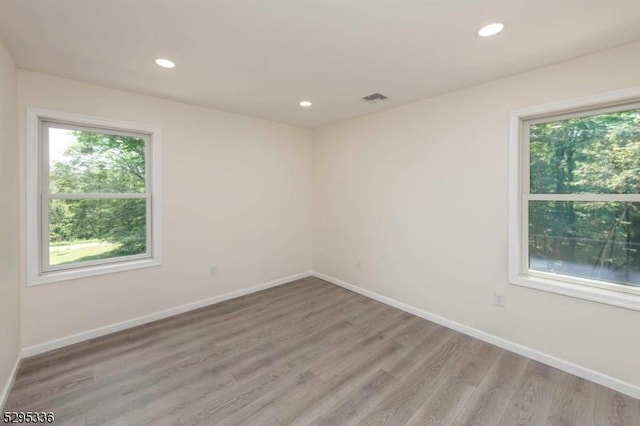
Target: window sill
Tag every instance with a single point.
(608, 297)
(90, 271)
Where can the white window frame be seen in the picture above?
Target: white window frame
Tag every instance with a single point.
(38, 196)
(519, 197)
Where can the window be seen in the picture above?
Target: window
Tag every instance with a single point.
(575, 199)
(92, 196)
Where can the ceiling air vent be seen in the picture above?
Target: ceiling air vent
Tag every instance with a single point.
(375, 98)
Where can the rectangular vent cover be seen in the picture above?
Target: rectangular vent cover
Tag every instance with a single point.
(375, 97)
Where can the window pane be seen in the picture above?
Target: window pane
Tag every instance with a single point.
(82, 162)
(85, 230)
(596, 154)
(594, 240)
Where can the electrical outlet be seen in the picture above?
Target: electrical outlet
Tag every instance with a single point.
(213, 270)
(498, 299)
(359, 264)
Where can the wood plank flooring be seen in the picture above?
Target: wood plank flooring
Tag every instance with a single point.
(306, 353)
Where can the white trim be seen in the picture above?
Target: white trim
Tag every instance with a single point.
(134, 322)
(519, 194)
(602, 99)
(88, 120)
(34, 117)
(633, 198)
(591, 293)
(92, 271)
(9, 383)
(569, 367)
(102, 196)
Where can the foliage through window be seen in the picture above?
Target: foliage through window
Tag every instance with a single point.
(581, 200)
(95, 205)
(97, 195)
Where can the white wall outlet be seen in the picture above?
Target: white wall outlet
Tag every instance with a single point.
(213, 270)
(359, 264)
(498, 299)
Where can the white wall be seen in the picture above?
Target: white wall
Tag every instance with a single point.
(419, 194)
(9, 235)
(236, 193)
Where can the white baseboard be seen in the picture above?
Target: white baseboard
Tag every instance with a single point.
(112, 328)
(9, 383)
(569, 367)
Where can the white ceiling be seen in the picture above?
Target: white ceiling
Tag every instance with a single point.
(261, 57)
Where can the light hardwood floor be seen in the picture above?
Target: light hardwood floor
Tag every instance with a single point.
(305, 353)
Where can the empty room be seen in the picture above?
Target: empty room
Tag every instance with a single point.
(320, 212)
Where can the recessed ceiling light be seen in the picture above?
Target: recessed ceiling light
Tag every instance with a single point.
(491, 29)
(305, 104)
(165, 63)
